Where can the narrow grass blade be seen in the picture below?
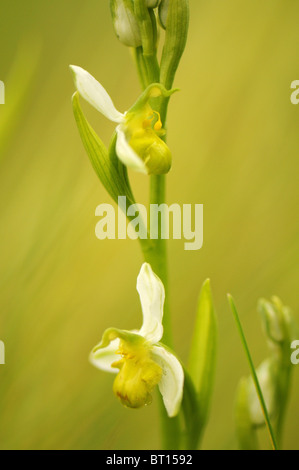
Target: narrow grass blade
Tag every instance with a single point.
(190, 408)
(253, 372)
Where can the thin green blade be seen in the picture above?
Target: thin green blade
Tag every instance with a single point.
(110, 171)
(202, 359)
(253, 372)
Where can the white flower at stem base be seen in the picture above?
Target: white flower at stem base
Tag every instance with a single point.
(138, 143)
(137, 357)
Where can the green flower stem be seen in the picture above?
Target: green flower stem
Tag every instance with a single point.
(155, 251)
(283, 392)
(147, 67)
(170, 429)
(141, 67)
(158, 254)
(152, 68)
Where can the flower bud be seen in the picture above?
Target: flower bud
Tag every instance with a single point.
(265, 374)
(277, 321)
(125, 22)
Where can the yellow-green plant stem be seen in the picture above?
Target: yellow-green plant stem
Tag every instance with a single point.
(284, 388)
(141, 67)
(253, 373)
(158, 254)
(155, 251)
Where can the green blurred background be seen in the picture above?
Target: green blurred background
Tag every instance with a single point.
(234, 136)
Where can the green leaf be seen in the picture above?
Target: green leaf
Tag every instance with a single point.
(202, 360)
(189, 412)
(121, 171)
(111, 172)
(190, 408)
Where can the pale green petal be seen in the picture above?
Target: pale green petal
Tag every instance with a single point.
(102, 358)
(152, 296)
(126, 154)
(171, 384)
(107, 351)
(93, 92)
(266, 379)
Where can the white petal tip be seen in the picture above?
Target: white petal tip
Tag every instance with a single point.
(95, 94)
(172, 383)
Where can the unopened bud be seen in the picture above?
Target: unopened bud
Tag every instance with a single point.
(277, 320)
(125, 22)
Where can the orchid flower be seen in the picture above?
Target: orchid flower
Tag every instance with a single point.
(137, 357)
(138, 145)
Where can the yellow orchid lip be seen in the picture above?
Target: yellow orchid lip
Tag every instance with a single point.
(138, 375)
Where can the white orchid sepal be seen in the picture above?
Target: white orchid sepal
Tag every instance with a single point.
(138, 145)
(138, 358)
